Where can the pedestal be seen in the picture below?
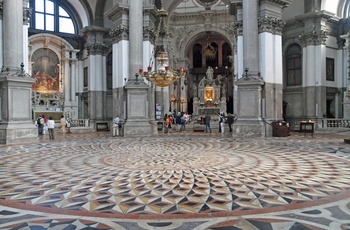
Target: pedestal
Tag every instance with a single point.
(16, 124)
(249, 95)
(138, 123)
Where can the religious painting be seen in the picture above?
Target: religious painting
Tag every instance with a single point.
(330, 69)
(209, 94)
(45, 71)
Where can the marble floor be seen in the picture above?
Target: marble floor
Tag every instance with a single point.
(180, 180)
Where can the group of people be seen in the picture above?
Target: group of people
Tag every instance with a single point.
(179, 119)
(229, 119)
(48, 125)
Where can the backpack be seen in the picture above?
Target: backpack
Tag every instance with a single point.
(40, 121)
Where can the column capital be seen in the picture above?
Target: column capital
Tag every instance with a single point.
(96, 49)
(238, 26)
(119, 33)
(271, 25)
(313, 38)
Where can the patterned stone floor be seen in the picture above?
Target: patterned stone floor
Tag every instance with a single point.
(181, 180)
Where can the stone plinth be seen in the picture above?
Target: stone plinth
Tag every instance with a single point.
(137, 122)
(16, 112)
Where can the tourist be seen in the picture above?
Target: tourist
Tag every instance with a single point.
(40, 124)
(221, 122)
(207, 123)
(51, 127)
(63, 123)
(116, 126)
(230, 121)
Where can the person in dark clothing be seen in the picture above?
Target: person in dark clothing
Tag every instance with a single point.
(230, 121)
(207, 123)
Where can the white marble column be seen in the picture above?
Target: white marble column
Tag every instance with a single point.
(135, 37)
(15, 84)
(13, 34)
(250, 35)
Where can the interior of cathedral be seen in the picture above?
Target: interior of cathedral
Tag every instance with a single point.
(281, 67)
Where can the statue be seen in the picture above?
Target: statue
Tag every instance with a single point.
(210, 73)
(195, 93)
(223, 91)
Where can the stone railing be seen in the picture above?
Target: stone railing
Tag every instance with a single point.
(80, 123)
(335, 123)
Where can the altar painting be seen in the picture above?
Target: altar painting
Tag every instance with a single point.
(45, 71)
(209, 94)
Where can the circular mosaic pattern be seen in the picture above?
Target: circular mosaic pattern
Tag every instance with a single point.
(164, 156)
(178, 175)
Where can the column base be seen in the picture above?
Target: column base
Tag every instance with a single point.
(138, 128)
(249, 128)
(18, 133)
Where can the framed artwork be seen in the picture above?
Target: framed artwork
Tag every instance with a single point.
(45, 71)
(330, 69)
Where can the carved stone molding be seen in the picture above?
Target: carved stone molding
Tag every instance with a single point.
(313, 38)
(181, 33)
(238, 28)
(119, 33)
(27, 15)
(271, 25)
(96, 49)
(149, 34)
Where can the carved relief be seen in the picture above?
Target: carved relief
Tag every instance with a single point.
(313, 38)
(238, 26)
(271, 25)
(119, 33)
(96, 49)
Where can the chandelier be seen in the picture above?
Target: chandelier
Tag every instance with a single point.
(209, 52)
(164, 75)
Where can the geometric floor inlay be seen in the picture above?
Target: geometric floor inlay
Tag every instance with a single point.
(171, 177)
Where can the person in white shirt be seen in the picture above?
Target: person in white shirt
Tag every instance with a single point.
(116, 124)
(51, 127)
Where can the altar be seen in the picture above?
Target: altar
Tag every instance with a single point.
(208, 111)
(210, 98)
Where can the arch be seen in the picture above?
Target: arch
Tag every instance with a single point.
(170, 6)
(99, 11)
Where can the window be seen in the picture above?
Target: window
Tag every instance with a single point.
(49, 15)
(294, 73)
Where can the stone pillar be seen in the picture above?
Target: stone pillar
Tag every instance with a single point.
(135, 37)
(16, 123)
(137, 100)
(120, 51)
(250, 83)
(346, 103)
(250, 35)
(314, 73)
(270, 37)
(96, 49)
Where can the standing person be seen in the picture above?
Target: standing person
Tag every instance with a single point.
(178, 122)
(207, 123)
(63, 123)
(51, 128)
(230, 121)
(45, 124)
(222, 122)
(116, 126)
(40, 124)
(219, 117)
(169, 120)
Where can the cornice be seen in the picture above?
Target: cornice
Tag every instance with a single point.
(116, 10)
